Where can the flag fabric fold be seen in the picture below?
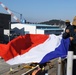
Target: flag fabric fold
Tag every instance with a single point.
(34, 48)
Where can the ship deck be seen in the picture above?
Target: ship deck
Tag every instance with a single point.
(5, 68)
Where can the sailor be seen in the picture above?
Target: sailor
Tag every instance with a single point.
(73, 43)
(68, 26)
(71, 33)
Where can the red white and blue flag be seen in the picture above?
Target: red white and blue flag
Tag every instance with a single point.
(34, 48)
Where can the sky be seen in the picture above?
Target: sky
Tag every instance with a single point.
(41, 10)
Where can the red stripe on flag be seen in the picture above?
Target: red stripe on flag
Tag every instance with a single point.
(23, 44)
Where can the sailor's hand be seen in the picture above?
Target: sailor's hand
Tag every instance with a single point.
(35, 71)
(71, 38)
(67, 30)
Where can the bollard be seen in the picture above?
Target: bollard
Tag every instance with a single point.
(69, 62)
(59, 66)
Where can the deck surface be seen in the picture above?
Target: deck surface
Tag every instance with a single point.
(5, 68)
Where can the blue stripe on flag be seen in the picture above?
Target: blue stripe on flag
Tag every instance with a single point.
(60, 51)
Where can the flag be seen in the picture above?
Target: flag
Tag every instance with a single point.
(37, 48)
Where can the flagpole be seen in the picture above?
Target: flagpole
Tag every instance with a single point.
(29, 71)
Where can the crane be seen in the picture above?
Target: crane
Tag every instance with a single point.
(18, 13)
(9, 12)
